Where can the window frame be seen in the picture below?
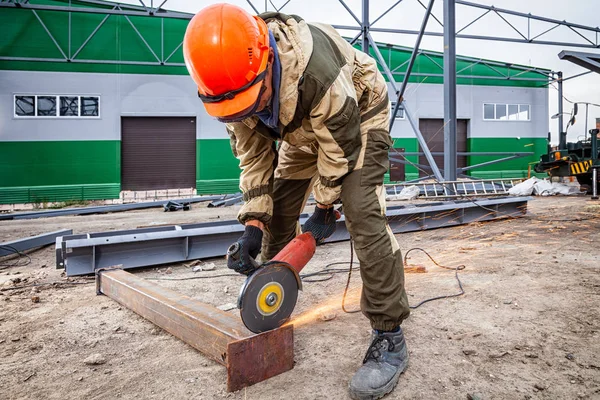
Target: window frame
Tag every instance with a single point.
(57, 116)
(403, 117)
(506, 105)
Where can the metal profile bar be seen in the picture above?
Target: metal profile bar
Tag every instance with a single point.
(49, 34)
(249, 358)
(252, 5)
(546, 31)
(351, 13)
(102, 209)
(386, 11)
(20, 245)
(511, 25)
(579, 33)
(545, 80)
(76, 61)
(365, 27)
(450, 124)
(432, 14)
(413, 57)
(422, 143)
(489, 163)
(471, 59)
(41, 7)
(474, 37)
(82, 254)
(472, 22)
(144, 5)
(526, 15)
(143, 40)
(355, 38)
(174, 51)
(91, 35)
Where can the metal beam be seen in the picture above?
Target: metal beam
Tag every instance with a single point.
(365, 26)
(450, 158)
(473, 37)
(85, 253)
(102, 209)
(20, 245)
(422, 143)
(411, 63)
(249, 358)
(589, 61)
(86, 10)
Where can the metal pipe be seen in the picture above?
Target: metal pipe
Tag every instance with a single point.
(450, 157)
(249, 358)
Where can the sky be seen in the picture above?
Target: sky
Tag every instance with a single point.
(409, 14)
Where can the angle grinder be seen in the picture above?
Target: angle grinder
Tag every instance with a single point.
(268, 296)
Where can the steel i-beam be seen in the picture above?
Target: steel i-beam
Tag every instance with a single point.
(248, 357)
(85, 253)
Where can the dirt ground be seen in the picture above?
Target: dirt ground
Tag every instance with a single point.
(528, 326)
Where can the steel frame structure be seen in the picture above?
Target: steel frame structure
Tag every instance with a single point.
(364, 26)
(85, 253)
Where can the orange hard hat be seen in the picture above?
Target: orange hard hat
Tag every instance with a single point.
(226, 52)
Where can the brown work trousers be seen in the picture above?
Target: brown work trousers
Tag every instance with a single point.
(383, 298)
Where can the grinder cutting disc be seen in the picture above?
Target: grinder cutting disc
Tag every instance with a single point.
(268, 297)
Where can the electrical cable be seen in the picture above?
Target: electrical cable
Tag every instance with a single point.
(456, 269)
(21, 261)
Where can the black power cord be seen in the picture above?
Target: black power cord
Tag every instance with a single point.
(20, 261)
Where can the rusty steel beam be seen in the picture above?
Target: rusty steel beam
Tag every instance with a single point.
(249, 358)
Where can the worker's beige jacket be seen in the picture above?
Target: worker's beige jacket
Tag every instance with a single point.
(328, 90)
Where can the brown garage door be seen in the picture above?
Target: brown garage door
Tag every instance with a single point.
(433, 132)
(158, 153)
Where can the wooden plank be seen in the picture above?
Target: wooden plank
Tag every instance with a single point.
(249, 358)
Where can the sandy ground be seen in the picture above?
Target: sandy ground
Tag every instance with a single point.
(528, 326)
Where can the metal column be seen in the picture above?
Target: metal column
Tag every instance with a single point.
(450, 157)
(365, 26)
(562, 136)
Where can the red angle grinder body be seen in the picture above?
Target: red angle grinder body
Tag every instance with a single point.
(269, 294)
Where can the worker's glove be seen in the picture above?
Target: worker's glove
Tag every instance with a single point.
(322, 223)
(245, 250)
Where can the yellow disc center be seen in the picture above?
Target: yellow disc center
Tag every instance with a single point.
(269, 298)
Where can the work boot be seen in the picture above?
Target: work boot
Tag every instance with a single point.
(386, 359)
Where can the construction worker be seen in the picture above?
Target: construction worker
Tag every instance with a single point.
(306, 112)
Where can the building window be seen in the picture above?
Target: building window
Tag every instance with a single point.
(57, 106)
(25, 106)
(400, 114)
(46, 106)
(89, 106)
(506, 112)
(69, 106)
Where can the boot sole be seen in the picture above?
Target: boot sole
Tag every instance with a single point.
(387, 389)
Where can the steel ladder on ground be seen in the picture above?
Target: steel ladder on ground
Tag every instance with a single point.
(457, 189)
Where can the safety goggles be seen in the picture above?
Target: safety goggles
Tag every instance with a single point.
(232, 93)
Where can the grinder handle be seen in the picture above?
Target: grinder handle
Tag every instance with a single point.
(234, 252)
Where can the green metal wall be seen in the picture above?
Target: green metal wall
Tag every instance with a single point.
(38, 172)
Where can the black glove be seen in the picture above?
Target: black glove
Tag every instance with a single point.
(242, 253)
(321, 224)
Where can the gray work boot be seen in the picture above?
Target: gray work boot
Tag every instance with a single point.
(386, 359)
